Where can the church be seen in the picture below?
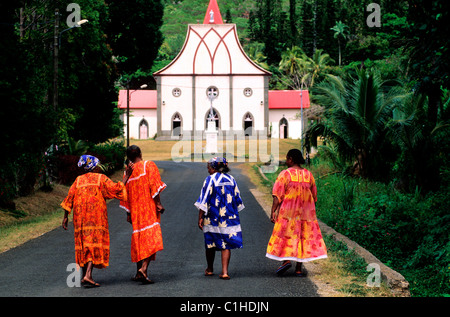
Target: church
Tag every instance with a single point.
(212, 78)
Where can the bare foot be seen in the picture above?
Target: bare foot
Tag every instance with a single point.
(89, 282)
(146, 279)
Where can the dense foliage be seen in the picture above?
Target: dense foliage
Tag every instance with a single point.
(121, 39)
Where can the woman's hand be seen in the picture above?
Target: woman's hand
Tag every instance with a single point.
(128, 172)
(275, 209)
(65, 222)
(273, 217)
(200, 219)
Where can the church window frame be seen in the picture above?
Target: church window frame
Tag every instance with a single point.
(214, 90)
(248, 92)
(176, 92)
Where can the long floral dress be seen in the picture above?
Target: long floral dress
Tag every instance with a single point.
(143, 185)
(90, 219)
(221, 203)
(296, 234)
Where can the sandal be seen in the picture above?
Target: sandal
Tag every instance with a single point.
(208, 273)
(283, 268)
(298, 270)
(300, 274)
(89, 284)
(224, 277)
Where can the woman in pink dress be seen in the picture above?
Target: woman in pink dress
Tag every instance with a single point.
(296, 234)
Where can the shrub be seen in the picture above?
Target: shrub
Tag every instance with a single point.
(111, 155)
(407, 232)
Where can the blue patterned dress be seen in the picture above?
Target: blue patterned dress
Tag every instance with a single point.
(221, 202)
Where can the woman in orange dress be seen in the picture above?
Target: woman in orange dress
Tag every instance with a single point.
(90, 219)
(296, 234)
(144, 211)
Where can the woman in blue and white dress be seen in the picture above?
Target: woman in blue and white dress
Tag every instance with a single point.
(219, 205)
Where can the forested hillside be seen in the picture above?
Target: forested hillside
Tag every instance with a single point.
(271, 27)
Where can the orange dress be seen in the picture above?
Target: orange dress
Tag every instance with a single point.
(143, 185)
(296, 234)
(90, 219)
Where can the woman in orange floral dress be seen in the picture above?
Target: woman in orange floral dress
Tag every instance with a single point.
(296, 234)
(90, 219)
(144, 211)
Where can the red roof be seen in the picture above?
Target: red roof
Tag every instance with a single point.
(139, 99)
(288, 99)
(213, 15)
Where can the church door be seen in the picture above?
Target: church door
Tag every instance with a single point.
(215, 117)
(176, 125)
(248, 124)
(143, 130)
(283, 128)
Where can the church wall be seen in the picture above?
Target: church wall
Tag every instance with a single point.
(173, 102)
(243, 103)
(136, 117)
(294, 123)
(221, 103)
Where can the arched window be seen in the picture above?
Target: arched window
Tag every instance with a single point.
(143, 129)
(177, 124)
(215, 118)
(283, 128)
(248, 124)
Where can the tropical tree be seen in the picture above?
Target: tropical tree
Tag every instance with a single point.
(256, 52)
(340, 31)
(300, 70)
(318, 63)
(415, 166)
(355, 119)
(293, 64)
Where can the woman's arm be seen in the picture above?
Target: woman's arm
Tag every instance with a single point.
(275, 206)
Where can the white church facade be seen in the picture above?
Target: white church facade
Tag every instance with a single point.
(213, 77)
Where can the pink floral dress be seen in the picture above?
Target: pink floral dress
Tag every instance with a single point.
(296, 234)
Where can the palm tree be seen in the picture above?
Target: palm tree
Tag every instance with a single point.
(256, 52)
(292, 64)
(315, 65)
(301, 70)
(340, 31)
(355, 118)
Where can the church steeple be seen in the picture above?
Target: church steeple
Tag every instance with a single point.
(213, 15)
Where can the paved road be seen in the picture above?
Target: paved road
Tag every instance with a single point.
(39, 267)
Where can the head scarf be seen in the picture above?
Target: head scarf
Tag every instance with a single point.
(217, 160)
(88, 162)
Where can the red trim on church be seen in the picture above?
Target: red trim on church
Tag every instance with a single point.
(213, 15)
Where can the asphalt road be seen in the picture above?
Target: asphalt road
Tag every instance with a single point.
(40, 267)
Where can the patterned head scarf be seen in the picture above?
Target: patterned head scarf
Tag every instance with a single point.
(217, 161)
(88, 162)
